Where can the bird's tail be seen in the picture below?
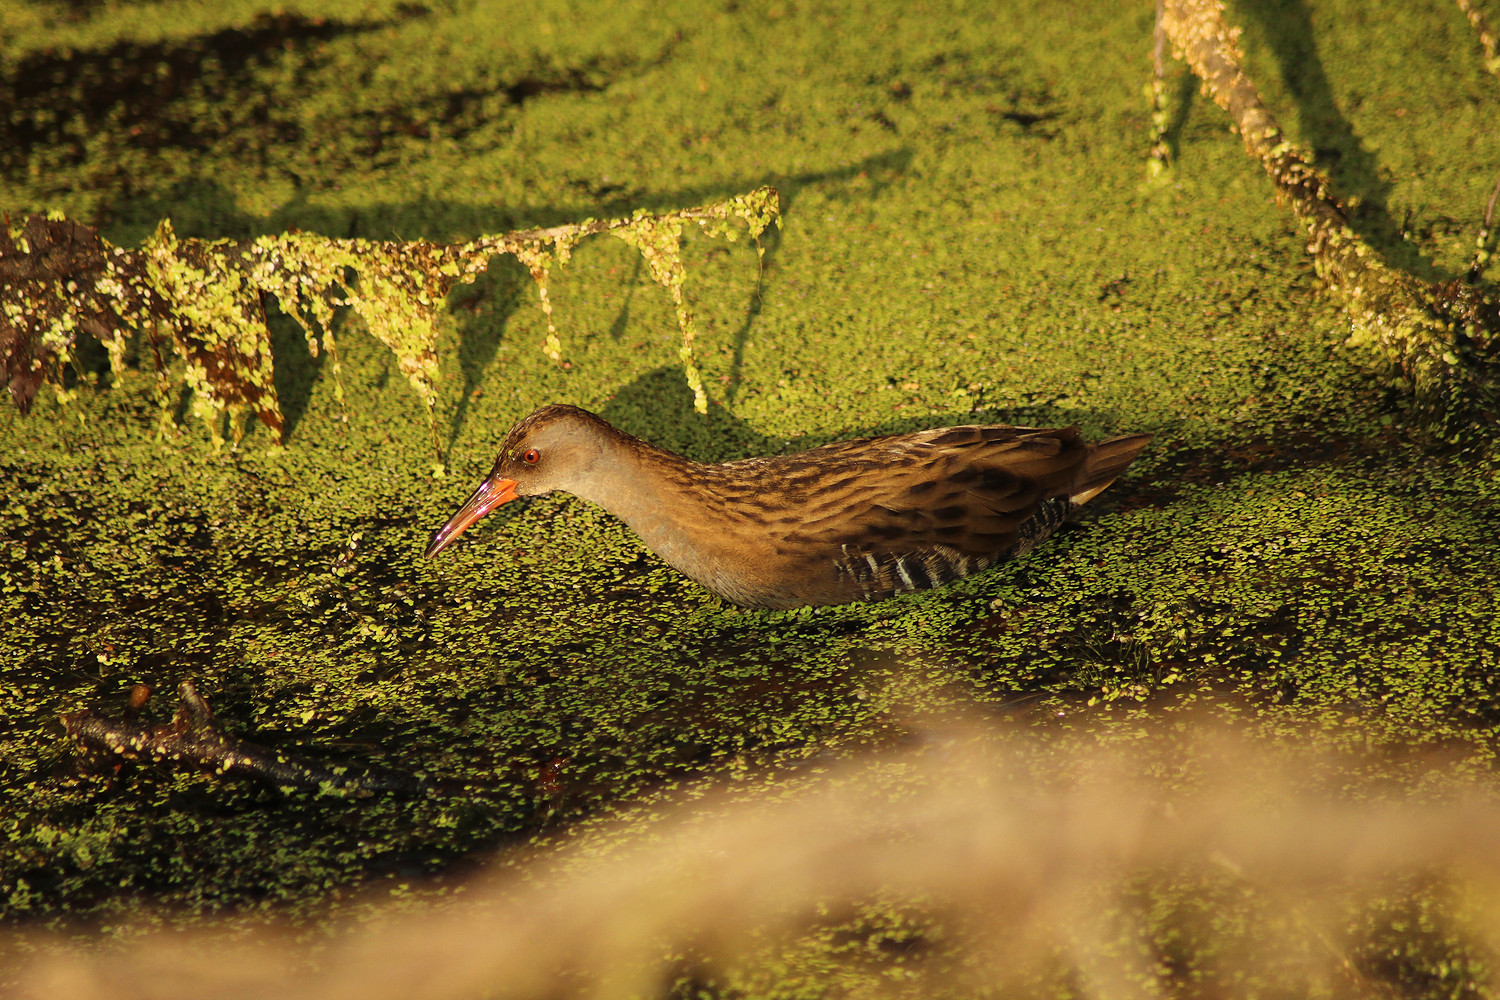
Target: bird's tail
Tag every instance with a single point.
(1106, 460)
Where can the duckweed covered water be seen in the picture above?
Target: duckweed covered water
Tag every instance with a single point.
(967, 236)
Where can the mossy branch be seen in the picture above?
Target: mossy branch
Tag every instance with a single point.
(1487, 38)
(58, 280)
(1440, 337)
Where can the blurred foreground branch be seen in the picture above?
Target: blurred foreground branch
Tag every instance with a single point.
(955, 867)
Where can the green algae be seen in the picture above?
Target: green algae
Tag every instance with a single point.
(965, 236)
(212, 295)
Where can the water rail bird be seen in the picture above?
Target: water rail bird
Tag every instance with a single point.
(853, 521)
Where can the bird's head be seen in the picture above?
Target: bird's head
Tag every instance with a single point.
(554, 448)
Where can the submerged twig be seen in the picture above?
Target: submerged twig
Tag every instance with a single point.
(194, 735)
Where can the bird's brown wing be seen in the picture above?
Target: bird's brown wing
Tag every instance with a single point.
(887, 515)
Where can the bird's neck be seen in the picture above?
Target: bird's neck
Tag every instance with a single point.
(662, 497)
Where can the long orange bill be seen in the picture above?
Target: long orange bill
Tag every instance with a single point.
(491, 494)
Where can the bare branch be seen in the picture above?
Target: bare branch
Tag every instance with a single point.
(195, 736)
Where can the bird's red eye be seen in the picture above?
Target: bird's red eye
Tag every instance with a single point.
(531, 456)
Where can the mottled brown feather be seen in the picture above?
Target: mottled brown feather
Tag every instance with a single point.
(855, 520)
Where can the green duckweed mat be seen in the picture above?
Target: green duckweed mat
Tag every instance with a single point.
(967, 235)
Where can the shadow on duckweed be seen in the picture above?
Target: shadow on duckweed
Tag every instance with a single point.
(658, 406)
(134, 86)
